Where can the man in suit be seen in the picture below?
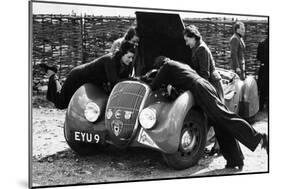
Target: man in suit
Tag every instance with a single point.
(263, 76)
(237, 48)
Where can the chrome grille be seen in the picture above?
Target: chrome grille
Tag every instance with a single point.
(123, 107)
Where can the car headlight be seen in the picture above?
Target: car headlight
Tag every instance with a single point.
(92, 111)
(147, 118)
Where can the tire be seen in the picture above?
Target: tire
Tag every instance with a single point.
(192, 142)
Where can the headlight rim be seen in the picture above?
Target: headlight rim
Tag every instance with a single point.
(141, 118)
(88, 106)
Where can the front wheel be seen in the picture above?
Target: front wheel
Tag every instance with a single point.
(192, 142)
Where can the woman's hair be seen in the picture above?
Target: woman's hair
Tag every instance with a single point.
(124, 49)
(131, 32)
(127, 47)
(192, 31)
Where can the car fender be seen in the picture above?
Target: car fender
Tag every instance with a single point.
(249, 100)
(170, 116)
(232, 94)
(75, 119)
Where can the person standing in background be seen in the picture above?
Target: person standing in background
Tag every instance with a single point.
(130, 36)
(263, 75)
(237, 48)
(202, 59)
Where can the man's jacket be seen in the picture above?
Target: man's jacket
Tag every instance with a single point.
(237, 48)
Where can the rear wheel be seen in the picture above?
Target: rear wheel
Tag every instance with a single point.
(192, 142)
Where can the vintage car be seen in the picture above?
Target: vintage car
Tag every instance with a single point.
(135, 116)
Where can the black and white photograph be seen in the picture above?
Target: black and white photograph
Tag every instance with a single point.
(127, 94)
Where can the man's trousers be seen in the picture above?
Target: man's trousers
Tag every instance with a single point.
(228, 126)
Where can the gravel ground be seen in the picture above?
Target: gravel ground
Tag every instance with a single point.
(53, 163)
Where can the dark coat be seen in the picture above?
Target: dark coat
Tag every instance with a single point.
(228, 126)
(237, 48)
(204, 64)
(202, 60)
(263, 75)
(104, 72)
(181, 76)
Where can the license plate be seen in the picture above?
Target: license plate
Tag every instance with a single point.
(86, 137)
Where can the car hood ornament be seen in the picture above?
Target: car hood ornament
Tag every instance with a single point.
(128, 114)
(109, 114)
(116, 127)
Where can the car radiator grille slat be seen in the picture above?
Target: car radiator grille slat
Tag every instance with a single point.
(125, 97)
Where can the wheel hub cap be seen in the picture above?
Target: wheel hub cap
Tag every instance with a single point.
(187, 140)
